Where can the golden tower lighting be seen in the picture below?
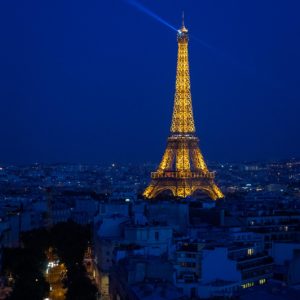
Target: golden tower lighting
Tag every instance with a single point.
(182, 169)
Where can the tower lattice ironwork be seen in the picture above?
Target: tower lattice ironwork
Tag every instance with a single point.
(182, 169)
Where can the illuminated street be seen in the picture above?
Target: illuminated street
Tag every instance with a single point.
(55, 273)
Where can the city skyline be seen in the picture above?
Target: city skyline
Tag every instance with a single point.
(149, 150)
(72, 90)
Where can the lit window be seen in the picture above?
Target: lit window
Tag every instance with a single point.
(250, 251)
(247, 285)
(262, 281)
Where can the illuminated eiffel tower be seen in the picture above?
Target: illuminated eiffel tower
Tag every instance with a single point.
(182, 169)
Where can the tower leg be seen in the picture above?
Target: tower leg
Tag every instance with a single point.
(211, 189)
(183, 189)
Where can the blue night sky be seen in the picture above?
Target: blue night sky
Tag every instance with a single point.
(93, 81)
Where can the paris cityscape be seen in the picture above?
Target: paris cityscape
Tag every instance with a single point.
(181, 219)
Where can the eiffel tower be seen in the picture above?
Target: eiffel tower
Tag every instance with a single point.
(182, 169)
